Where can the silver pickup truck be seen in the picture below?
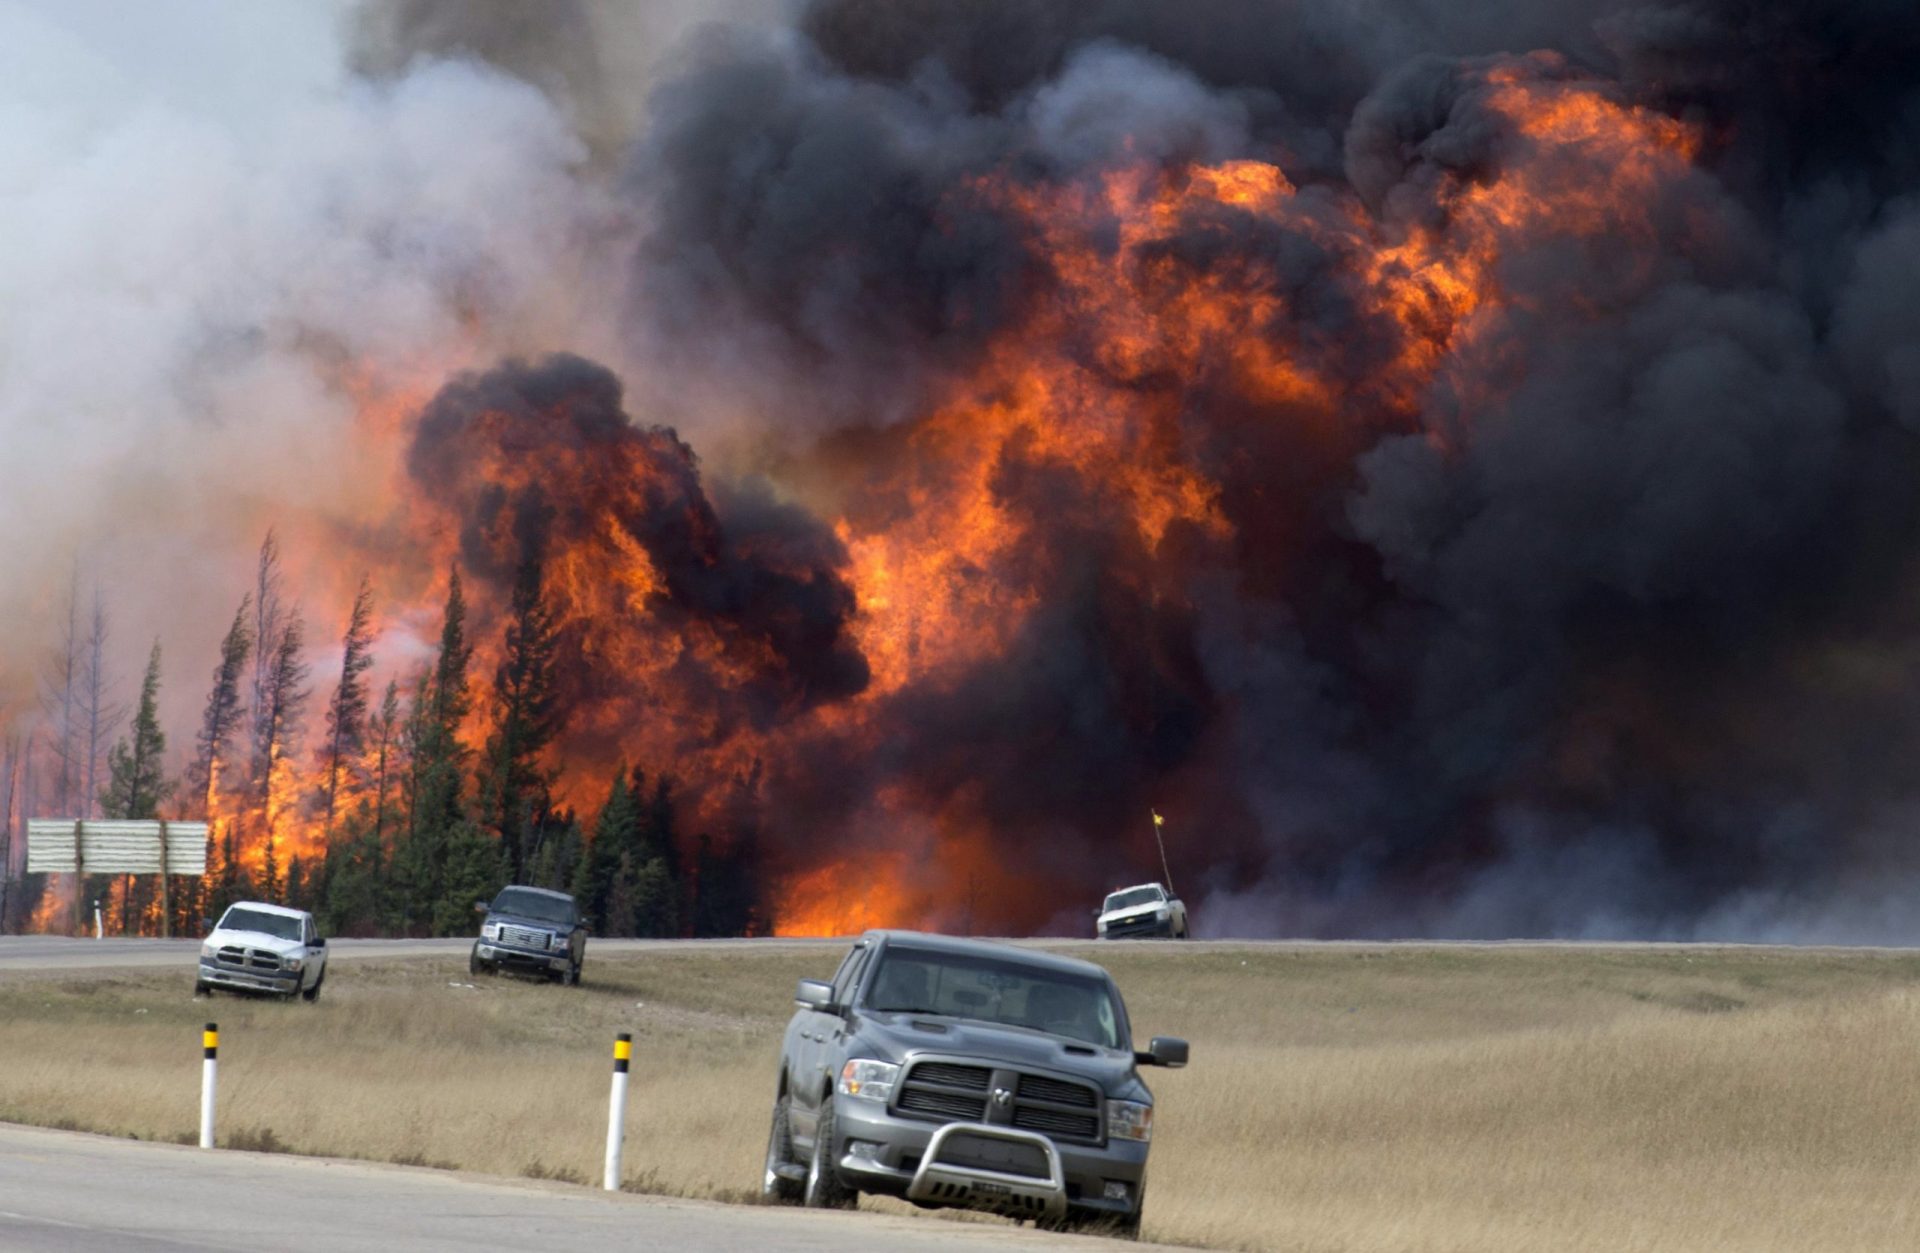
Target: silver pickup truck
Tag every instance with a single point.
(258, 947)
(965, 1073)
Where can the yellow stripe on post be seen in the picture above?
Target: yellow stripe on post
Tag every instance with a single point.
(623, 1049)
(209, 1039)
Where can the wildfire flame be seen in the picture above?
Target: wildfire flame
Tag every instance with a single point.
(693, 630)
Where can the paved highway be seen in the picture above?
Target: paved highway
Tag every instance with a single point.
(57, 952)
(70, 1193)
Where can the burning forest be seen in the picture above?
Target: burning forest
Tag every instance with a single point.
(848, 463)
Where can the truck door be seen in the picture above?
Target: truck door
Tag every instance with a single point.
(820, 1034)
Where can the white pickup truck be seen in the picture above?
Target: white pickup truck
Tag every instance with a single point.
(1146, 909)
(259, 947)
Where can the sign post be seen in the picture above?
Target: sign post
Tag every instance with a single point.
(81, 847)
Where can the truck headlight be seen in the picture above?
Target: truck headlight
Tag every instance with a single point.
(490, 932)
(868, 1079)
(1129, 1120)
(208, 951)
(295, 964)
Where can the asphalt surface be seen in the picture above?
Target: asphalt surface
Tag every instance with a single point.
(61, 1192)
(57, 952)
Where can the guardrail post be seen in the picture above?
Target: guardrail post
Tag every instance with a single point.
(617, 1114)
(210, 1053)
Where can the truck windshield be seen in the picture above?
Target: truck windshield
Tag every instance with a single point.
(922, 981)
(537, 905)
(280, 926)
(1133, 896)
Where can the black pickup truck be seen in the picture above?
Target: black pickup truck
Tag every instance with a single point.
(530, 930)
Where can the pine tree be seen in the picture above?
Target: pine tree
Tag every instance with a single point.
(615, 839)
(515, 791)
(268, 620)
(206, 775)
(136, 779)
(98, 712)
(347, 712)
(284, 696)
(60, 689)
(222, 716)
(446, 855)
(386, 747)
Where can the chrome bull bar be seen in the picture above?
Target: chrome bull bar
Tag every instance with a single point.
(972, 1183)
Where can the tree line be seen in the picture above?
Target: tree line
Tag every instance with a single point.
(391, 822)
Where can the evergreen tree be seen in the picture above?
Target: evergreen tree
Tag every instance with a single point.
(206, 775)
(615, 841)
(560, 855)
(474, 869)
(231, 880)
(347, 711)
(654, 911)
(514, 789)
(98, 713)
(136, 780)
(222, 716)
(357, 900)
(627, 882)
(387, 731)
(446, 855)
(61, 686)
(285, 695)
(269, 618)
(272, 887)
(136, 787)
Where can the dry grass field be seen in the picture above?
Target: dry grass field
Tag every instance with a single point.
(1341, 1098)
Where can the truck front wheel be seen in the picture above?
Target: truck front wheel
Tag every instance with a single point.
(776, 1187)
(824, 1189)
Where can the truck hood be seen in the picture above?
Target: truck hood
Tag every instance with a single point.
(253, 939)
(531, 924)
(902, 1034)
(1156, 908)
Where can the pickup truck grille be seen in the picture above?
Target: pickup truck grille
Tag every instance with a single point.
(247, 958)
(974, 1078)
(943, 1105)
(525, 937)
(950, 1092)
(1135, 924)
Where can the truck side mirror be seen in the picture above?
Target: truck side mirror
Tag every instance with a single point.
(1163, 1050)
(319, 941)
(814, 994)
(480, 907)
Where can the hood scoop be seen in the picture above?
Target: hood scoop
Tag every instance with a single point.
(938, 1028)
(1081, 1049)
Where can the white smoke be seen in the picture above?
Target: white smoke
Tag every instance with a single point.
(217, 241)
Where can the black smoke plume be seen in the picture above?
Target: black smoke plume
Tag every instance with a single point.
(539, 460)
(1609, 631)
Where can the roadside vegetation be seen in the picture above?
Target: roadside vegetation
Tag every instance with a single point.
(1341, 1098)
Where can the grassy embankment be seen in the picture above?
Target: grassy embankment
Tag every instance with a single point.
(1340, 1098)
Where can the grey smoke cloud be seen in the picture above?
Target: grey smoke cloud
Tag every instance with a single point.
(210, 257)
(1620, 646)
(1588, 646)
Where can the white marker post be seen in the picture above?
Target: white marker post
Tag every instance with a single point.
(210, 1053)
(617, 1115)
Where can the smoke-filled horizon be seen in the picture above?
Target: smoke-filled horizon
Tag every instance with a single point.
(1452, 461)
